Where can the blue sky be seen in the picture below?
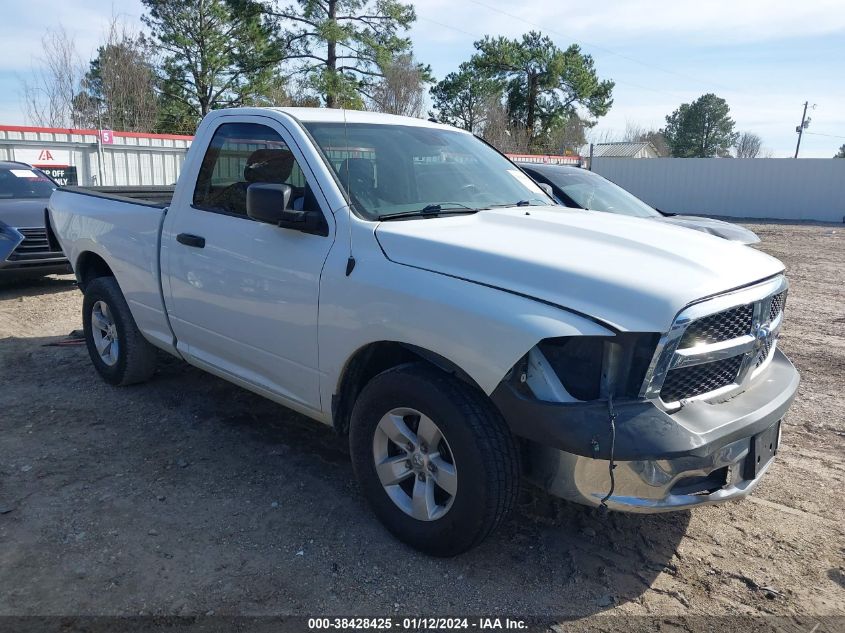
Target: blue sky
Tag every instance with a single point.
(765, 57)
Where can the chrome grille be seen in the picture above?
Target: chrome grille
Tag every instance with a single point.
(763, 354)
(778, 304)
(722, 326)
(717, 346)
(688, 382)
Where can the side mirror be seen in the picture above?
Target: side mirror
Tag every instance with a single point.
(267, 202)
(547, 188)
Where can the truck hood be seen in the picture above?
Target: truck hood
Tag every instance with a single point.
(719, 228)
(633, 275)
(27, 213)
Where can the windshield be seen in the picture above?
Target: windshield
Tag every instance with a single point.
(22, 182)
(591, 191)
(392, 169)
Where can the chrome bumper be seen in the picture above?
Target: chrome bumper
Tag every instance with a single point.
(698, 455)
(649, 486)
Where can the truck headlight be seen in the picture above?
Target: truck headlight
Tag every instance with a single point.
(593, 367)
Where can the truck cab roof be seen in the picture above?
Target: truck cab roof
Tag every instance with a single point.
(337, 115)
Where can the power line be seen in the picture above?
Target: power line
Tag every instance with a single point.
(447, 26)
(822, 134)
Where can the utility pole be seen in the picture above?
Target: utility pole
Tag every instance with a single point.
(100, 156)
(805, 122)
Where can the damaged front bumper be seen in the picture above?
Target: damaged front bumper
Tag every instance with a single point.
(651, 485)
(704, 453)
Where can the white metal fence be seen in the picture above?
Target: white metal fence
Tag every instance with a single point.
(128, 159)
(779, 188)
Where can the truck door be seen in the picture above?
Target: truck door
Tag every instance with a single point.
(242, 295)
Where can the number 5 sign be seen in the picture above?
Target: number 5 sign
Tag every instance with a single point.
(106, 137)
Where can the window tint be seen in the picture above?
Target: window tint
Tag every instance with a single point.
(241, 154)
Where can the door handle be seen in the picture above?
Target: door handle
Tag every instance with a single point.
(191, 240)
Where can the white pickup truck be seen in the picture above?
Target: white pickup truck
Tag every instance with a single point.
(404, 282)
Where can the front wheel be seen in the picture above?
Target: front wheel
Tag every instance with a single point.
(434, 459)
(120, 353)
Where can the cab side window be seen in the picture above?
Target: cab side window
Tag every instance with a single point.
(239, 155)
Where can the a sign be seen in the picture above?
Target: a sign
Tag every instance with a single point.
(53, 162)
(62, 175)
(106, 137)
(43, 156)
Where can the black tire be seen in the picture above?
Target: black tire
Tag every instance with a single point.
(136, 357)
(485, 455)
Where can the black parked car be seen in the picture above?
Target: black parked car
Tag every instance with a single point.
(25, 250)
(582, 189)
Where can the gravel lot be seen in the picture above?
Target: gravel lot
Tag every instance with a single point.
(187, 495)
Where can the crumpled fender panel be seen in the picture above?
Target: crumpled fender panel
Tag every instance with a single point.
(482, 330)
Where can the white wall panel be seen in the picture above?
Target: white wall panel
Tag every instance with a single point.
(780, 188)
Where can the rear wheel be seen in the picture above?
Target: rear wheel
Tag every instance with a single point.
(434, 459)
(120, 353)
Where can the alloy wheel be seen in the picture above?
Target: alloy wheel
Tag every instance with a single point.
(104, 332)
(414, 464)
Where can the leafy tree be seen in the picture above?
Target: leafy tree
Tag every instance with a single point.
(544, 84)
(217, 53)
(463, 98)
(748, 145)
(118, 91)
(344, 45)
(701, 129)
(841, 152)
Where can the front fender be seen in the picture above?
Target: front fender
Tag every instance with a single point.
(484, 331)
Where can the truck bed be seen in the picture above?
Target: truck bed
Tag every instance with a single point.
(124, 232)
(152, 195)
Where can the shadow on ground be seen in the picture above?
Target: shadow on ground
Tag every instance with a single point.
(35, 286)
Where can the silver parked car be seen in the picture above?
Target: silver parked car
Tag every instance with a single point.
(582, 189)
(25, 249)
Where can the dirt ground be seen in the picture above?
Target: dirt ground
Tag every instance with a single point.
(188, 495)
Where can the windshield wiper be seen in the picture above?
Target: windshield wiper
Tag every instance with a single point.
(433, 210)
(519, 203)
